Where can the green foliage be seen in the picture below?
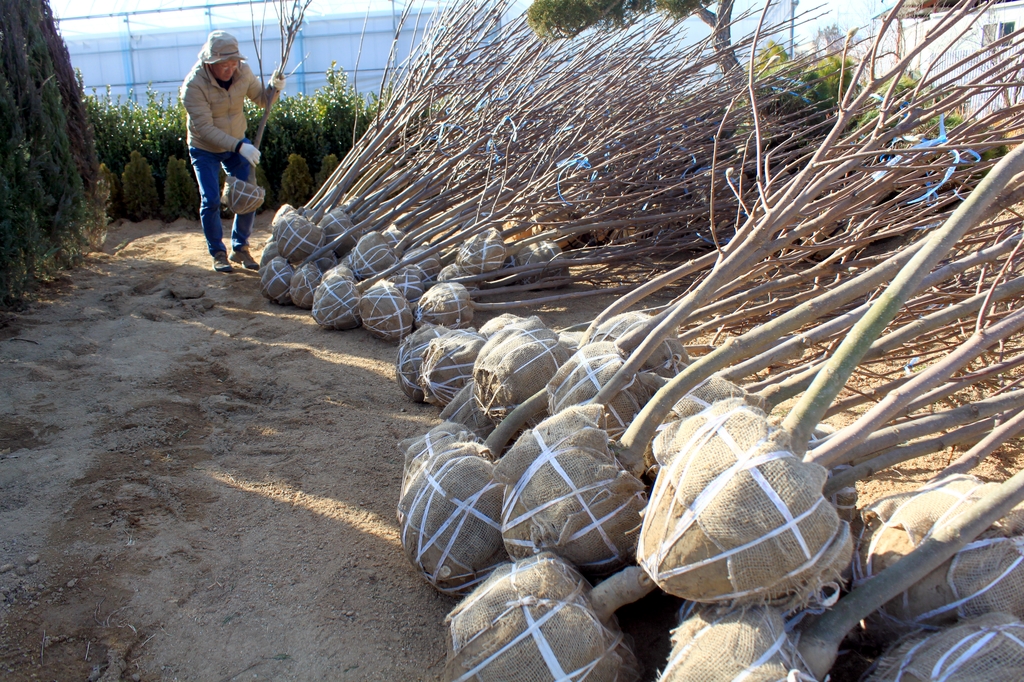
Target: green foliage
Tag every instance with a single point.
(823, 80)
(261, 180)
(311, 126)
(46, 211)
(139, 189)
(297, 183)
(770, 59)
(109, 192)
(327, 167)
(552, 19)
(154, 128)
(181, 198)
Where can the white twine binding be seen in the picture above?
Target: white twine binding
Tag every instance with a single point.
(745, 461)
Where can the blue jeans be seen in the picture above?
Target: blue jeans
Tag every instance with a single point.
(207, 167)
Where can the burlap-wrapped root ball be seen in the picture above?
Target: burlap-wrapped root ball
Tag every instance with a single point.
(385, 312)
(334, 224)
(450, 518)
(269, 253)
(447, 304)
(495, 325)
(735, 516)
(298, 238)
(743, 644)
(409, 281)
(279, 220)
(241, 197)
(669, 357)
(985, 649)
(567, 494)
(448, 364)
(431, 265)
(482, 253)
(371, 256)
(336, 302)
(580, 378)
(410, 357)
(986, 576)
(537, 254)
(533, 620)
(304, 282)
(699, 398)
(276, 281)
(394, 237)
(418, 450)
(464, 409)
(710, 391)
(454, 272)
(515, 363)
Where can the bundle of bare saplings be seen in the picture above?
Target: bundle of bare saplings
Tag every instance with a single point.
(858, 307)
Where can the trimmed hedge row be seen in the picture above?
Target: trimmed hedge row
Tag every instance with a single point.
(319, 128)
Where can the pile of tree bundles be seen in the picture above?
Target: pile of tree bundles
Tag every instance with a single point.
(872, 273)
(501, 165)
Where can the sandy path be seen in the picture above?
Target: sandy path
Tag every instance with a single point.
(209, 483)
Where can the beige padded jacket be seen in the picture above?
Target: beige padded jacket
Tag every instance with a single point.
(216, 121)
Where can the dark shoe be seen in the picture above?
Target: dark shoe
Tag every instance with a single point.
(242, 256)
(220, 262)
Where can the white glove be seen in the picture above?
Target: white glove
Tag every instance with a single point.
(277, 81)
(251, 154)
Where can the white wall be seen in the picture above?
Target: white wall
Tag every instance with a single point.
(136, 58)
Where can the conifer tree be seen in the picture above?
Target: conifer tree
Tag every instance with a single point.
(138, 188)
(327, 166)
(48, 164)
(181, 199)
(109, 191)
(296, 183)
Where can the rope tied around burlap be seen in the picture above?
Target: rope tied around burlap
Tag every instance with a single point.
(586, 509)
(533, 621)
(303, 286)
(582, 376)
(989, 648)
(749, 644)
(450, 528)
(781, 548)
(385, 312)
(298, 238)
(514, 364)
(464, 409)
(336, 303)
(410, 357)
(447, 304)
(987, 575)
(242, 197)
(448, 364)
(482, 253)
(276, 281)
(371, 256)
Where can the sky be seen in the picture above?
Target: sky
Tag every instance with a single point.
(845, 13)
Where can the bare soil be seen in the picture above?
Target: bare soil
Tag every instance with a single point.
(196, 484)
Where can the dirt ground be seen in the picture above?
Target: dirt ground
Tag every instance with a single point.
(198, 485)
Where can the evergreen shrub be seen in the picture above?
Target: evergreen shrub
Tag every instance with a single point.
(327, 166)
(297, 183)
(138, 189)
(181, 198)
(48, 169)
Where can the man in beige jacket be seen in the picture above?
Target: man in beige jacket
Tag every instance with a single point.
(213, 94)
